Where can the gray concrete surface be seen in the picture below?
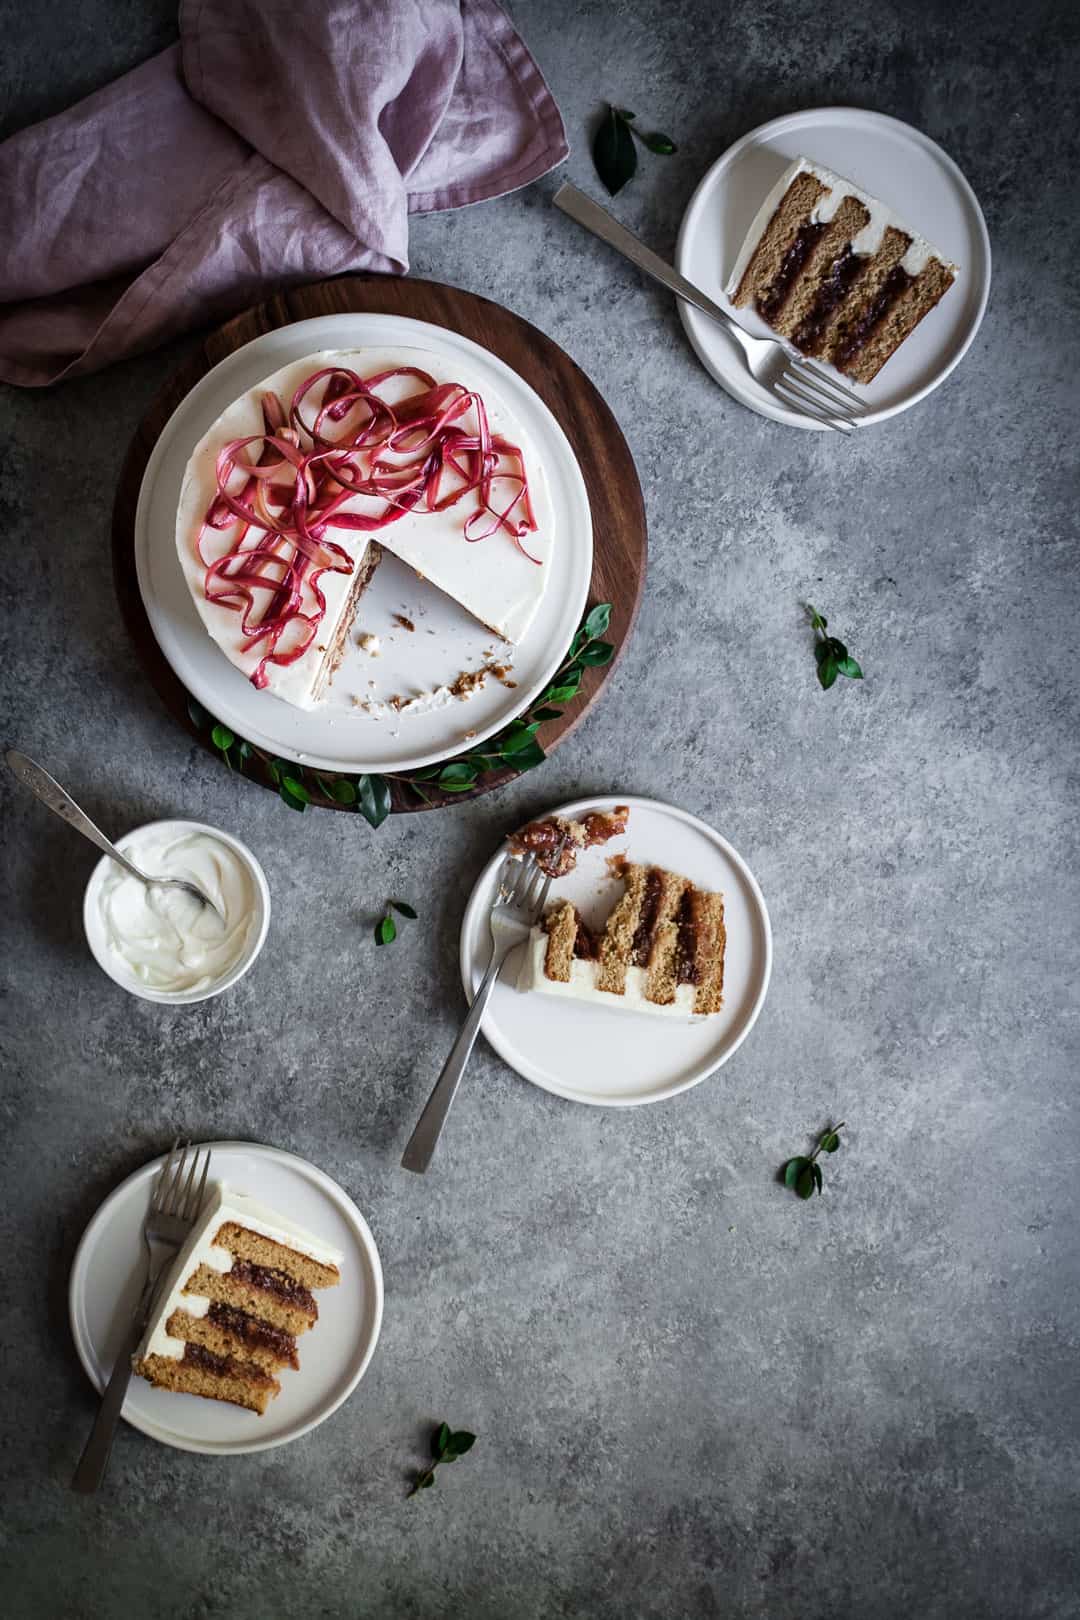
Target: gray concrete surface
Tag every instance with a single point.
(694, 1395)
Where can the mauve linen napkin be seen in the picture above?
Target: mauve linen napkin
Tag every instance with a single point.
(280, 141)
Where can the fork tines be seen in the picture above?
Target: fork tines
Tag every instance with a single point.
(175, 1196)
(812, 392)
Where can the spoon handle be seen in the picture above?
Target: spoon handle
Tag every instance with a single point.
(63, 805)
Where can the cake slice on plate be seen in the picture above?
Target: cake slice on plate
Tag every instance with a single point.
(834, 271)
(234, 1302)
(661, 950)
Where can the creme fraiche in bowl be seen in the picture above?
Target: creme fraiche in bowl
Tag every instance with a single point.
(159, 943)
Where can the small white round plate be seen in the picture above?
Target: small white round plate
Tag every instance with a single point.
(337, 736)
(890, 160)
(108, 1272)
(612, 1058)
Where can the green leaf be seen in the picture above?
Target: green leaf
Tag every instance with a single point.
(456, 787)
(597, 653)
(836, 648)
(374, 794)
(222, 737)
(460, 773)
(296, 788)
(293, 800)
(622, 113)
(440, 1440)
(540, 715)
(277, 768)
(563, 694)
(614, 153)
(385, 930)
(406, 911)
(597, 621)
(830, 1142)
(426, 774)
(821, 650)
(793, 1169)
(515, 741)
(804, 1183)
(848, 667)
(459, 1443)
(817, 620)
(244, 749)
(523, 759)
(826, 673)
(816, 1172)
(662, 145)
(425, 1482)
(339, 789)
(199, 717)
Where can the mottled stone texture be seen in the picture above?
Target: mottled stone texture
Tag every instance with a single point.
(694, 1395)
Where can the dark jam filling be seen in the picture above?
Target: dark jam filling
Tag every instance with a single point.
(650, 907)
(197, 1355)
(892, 290)
(686, 946)
(274, 1282)
(586, 943)
(843, 272)
(806, 238)
(600, 825)
(260, 1334)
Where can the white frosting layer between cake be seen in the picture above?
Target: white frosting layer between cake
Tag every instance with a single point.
(867, 241)
(490, 578)
(221, 1205)
(581, 985)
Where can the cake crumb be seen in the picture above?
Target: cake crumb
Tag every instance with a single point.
(406, 624)
(368, 643)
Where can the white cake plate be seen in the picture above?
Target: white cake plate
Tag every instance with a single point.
(108, 1273)
(607, 1057)
(337, 735)
(903, 167)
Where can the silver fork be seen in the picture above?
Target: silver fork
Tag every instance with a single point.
(519, 904)
(174, 1206)
(800, 383)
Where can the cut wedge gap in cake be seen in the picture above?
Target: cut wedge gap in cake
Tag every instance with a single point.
(835, 272)
(237, 1297)
(661, 950)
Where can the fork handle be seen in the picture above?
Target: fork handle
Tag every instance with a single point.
(95, 1458)
(422, 1142)
(607, 228)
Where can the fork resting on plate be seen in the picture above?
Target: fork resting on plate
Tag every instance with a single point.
(519, 905)
(174, 1208)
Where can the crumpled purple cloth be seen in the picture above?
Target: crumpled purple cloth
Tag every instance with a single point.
(280, 141)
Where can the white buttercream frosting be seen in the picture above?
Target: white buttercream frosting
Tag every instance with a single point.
(165, 939)
(582, 985)
(222, 1205)
(490, 578)
(867, 241)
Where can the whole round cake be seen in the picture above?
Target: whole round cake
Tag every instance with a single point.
(291, 497)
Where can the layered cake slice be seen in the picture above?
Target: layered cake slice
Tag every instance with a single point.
(661, 950)
(834, 271)
(234, 1302)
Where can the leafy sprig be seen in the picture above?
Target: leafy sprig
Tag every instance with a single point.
(447, 1445)
(804, 1175)
(832, 656)
(614, 153)
(515, 747)
(386, 928)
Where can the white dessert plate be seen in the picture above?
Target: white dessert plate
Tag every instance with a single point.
(337, 735)
(613, 1058)
(887, 158)
(108, 1272)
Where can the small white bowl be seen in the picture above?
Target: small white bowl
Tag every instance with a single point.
(113, 965)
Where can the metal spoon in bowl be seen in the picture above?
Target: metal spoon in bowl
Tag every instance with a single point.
(63, 805)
